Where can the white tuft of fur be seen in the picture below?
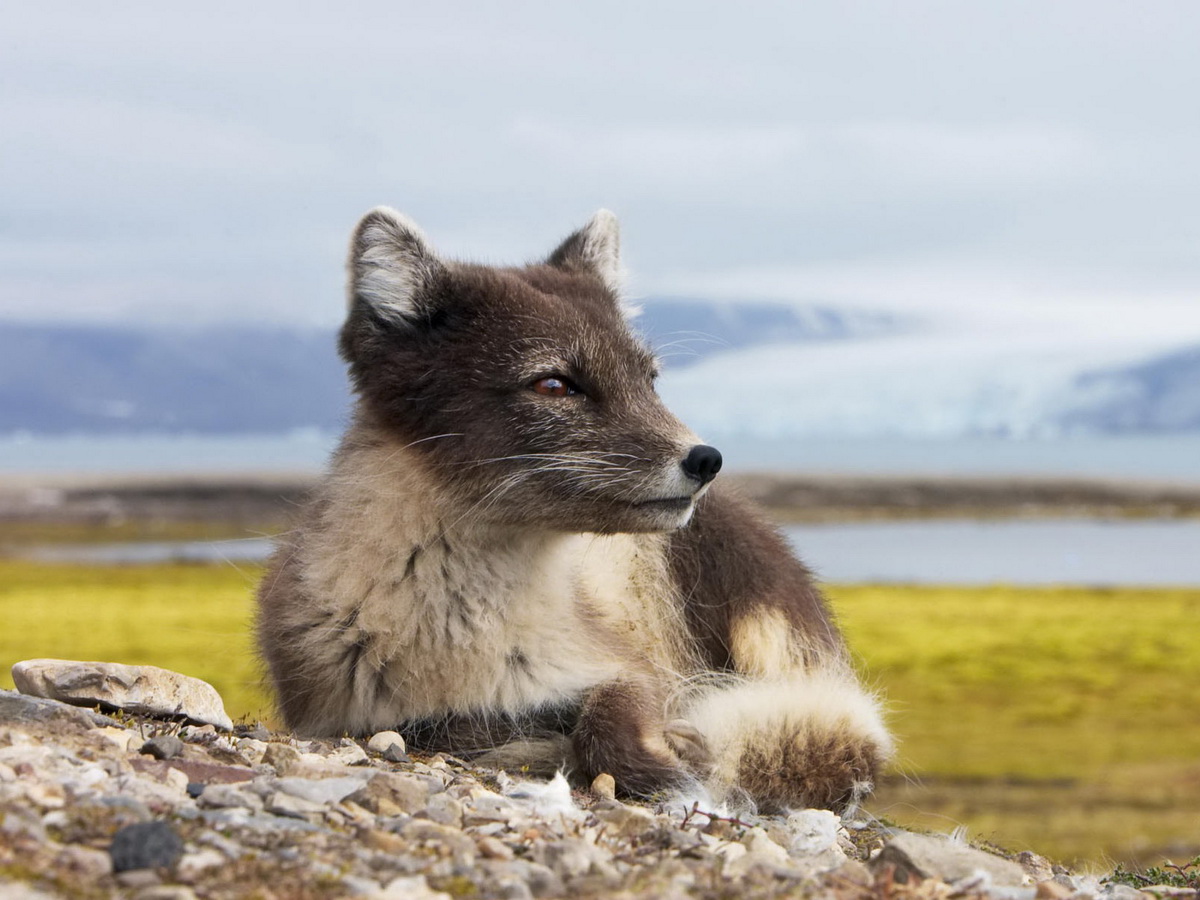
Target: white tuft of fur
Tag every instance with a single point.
(601, 248)
(732, 716)
(546, 798)
(391, 262)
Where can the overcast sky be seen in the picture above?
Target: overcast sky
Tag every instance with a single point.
(208, 163)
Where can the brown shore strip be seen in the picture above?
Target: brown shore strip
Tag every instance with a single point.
(236, 504)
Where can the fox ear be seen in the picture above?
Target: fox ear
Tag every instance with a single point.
(391, 265)
(595, 248)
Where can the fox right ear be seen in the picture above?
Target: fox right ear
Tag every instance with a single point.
(391, 265)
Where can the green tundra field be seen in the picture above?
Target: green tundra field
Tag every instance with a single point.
(1062, 720)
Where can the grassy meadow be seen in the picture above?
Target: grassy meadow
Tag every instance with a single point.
(1060, 719)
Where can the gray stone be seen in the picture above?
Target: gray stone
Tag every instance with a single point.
(20, 709)
(145, 845)
(384, 741)
(569, 857)
(924, 856)
(445, 810)
(623, 820)
(142, 690)
(393, 793)
(1115, 891)
(282, 804)
(165, 746)
(323, 790)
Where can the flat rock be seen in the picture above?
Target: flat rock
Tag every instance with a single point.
(20, 709)
(922, 856)
(141, 690)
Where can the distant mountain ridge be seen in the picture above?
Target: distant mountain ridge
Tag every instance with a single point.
(235, 379)
(747, 366)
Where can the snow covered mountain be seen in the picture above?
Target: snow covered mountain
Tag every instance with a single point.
(1005, 373)
(765, 369)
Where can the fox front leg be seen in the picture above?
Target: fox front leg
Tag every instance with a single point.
(621, 731)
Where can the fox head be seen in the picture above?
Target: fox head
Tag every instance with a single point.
(523, 391)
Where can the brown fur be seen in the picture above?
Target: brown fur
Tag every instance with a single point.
(539, 578)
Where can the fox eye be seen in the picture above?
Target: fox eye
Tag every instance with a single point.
(554, 386)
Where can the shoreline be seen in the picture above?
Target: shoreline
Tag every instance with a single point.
(265, 500)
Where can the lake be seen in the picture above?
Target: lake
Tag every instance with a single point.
(1023, 552)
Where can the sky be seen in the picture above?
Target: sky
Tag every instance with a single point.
(1026, 161)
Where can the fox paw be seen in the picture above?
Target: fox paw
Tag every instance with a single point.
(690, 746)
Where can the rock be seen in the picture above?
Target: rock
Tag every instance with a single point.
(494, 848)
(444, 809)
(349, 754)
(851, 872)
(138, 878)
(1036, 867)
(85, 862)
(924, 856)
(166, 892)
(1115, 891)
(281, 757)
(229, 796)
(145, 845)
(141, 690)
(392, 793)
(1049, 890)
(569, 857)
(385, 742)
(165, 746)
(410, 887)
(604, 786)
(121, 738)
(624, 820)
(19, 709)
(323, 790)
(192, 866)
(252, 749)
(761, 852)
(488, 807)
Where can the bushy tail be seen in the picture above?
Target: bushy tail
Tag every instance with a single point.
(815, 739)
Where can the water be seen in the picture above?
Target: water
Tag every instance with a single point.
(1121, 552)
(147, 552)
(1146, 458)
(1151, 553)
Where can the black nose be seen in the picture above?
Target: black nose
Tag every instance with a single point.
(703, 463)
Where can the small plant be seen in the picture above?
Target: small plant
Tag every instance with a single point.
(1168, 874)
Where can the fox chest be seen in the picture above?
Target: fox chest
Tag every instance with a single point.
(438, 630)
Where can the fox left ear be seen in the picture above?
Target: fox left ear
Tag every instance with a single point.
(594, 248)
(392, 267)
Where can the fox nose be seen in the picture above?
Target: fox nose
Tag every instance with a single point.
(702, 463)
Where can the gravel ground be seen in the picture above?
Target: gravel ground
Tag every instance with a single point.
(119, 805)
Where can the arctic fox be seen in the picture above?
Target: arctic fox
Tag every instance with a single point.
(519, 555)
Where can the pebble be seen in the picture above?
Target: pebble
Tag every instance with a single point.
(145, 845)
(165, 746)
(384, 741)
(281, 757)
(604, 786)
(222, 816)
